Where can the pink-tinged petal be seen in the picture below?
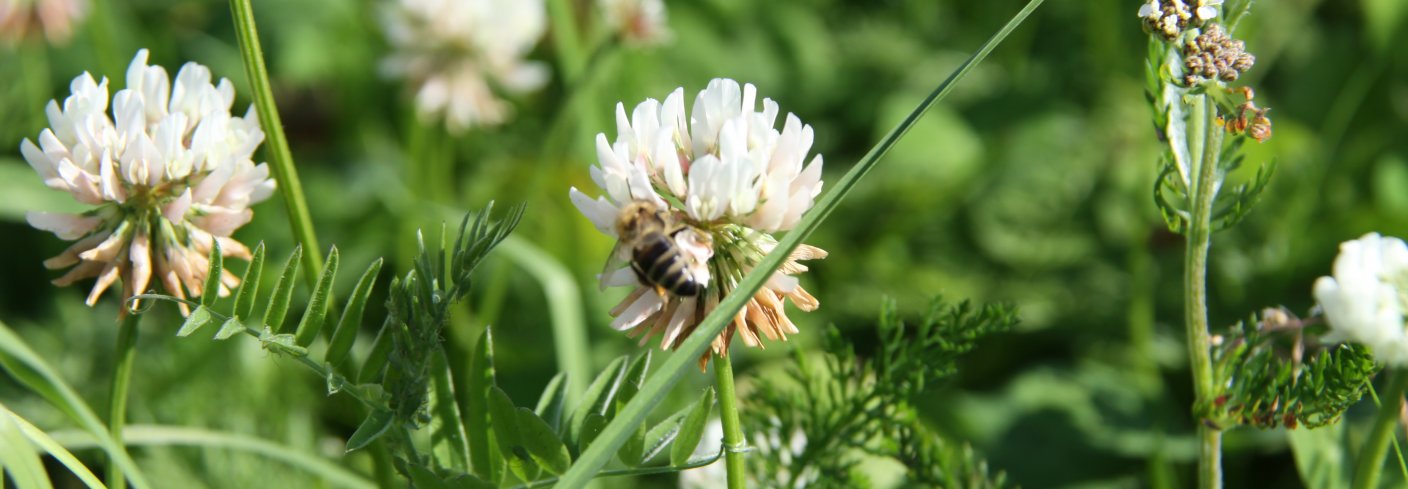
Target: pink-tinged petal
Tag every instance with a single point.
(108, 250)
(39, 162)
(105, 280)
(141, 258)
(70, 256)
(65, 226)
(176, 210)
(638, 311)
(222, 222)
(229, 248)
(80, 272)
(112, 188)
(79, 183)
(681, 315)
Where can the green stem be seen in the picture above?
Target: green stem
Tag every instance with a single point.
(1207, 137)
(733, 430)
(117, 400)
(104, 43)
(280, 158)
(566, 40)
(1371, 458)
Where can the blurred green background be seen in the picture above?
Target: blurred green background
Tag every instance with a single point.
(1031, 184)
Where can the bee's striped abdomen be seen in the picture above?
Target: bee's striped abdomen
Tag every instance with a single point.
(656, 261)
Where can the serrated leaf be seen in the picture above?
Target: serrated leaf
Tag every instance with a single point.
(591, 427)
(542, 442)
(249, 285)
(664, 432)
(598, 396)
(283, 292)
(229, 328)
(483, 454)
(317, 311)
(692, 429)
(346, 333)
(197, 320)
(376, 424)
(212, 276)
(550, 403)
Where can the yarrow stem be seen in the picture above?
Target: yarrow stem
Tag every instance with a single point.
(280, 158)
(117, 400)
(1207, 135)
(1371, 458)
(733, 429)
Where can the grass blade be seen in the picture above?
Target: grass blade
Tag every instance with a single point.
(44, 442)
(19, 459)
(619, 430)
(26, 366)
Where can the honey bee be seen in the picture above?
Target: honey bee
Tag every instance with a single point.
(648, 232)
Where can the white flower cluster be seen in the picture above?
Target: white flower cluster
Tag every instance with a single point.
(170, 172)
(727, 172)
(455, 52)
(1365, 299)
(1170, 17)
(637, 21)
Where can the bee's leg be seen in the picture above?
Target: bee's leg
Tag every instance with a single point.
(660, 290)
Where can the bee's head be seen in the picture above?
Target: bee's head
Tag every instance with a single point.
(638, 216)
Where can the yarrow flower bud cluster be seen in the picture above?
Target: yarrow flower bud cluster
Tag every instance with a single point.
(169, 174)
(1365, 297)
(1215, 56)
(456, 53)
(720, 180)
(55, 17)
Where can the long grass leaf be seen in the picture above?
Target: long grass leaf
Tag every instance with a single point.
(19, 459)
(620, 429)
(30, 370)
(46, 443)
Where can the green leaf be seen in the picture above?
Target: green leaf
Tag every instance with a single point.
(317, 311)
(44, 442)
(283, 293)
(446, 427)
(197, 320)
(550, 403)
(591, 428)
(468, 481)
(542, 442)
(372, 428)
(664, 432)
(631, 452)
(249, 285)
(231, 327)
(424, 478)
(19, 459)
(380, 354)
(692, 429)
(346, 333)
(654, 391)
(483, 455)
(504, 421)
(212, 276)
(282, 344)
(597, 398)
(30, 370)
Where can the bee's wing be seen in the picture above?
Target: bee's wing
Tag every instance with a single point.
(618, 267)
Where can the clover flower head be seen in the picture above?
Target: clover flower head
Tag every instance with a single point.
(1365, 298)
(169, 173)
(640, 22)
(730, 178)
(1168, 18)
(456, 53)
(55, 17)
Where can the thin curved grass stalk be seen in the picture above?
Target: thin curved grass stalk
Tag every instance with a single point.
(564, 307)
(157, 435)
(632, 414)
(44, 441)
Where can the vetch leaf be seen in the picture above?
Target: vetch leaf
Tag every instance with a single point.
(231, 327)
(198, 319)
(692, 429)
(212, 276)
(504, 421)
(662, 434)
(424, 478)
(317, 310)
(376, 360)
(550, 403)
(346, 333)
(591, 428)
(597, 398)
(371, 428)
(631, 452)
(542, 442)
(249, 285)
(483, 454)
(283, 292)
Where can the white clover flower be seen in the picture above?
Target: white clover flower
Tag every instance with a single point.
(55, 17)
(1207, 9)
(457, 52)
(169, 173)
(637, 21)
(1365, 299)
(1166, 17)
(733, 179)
